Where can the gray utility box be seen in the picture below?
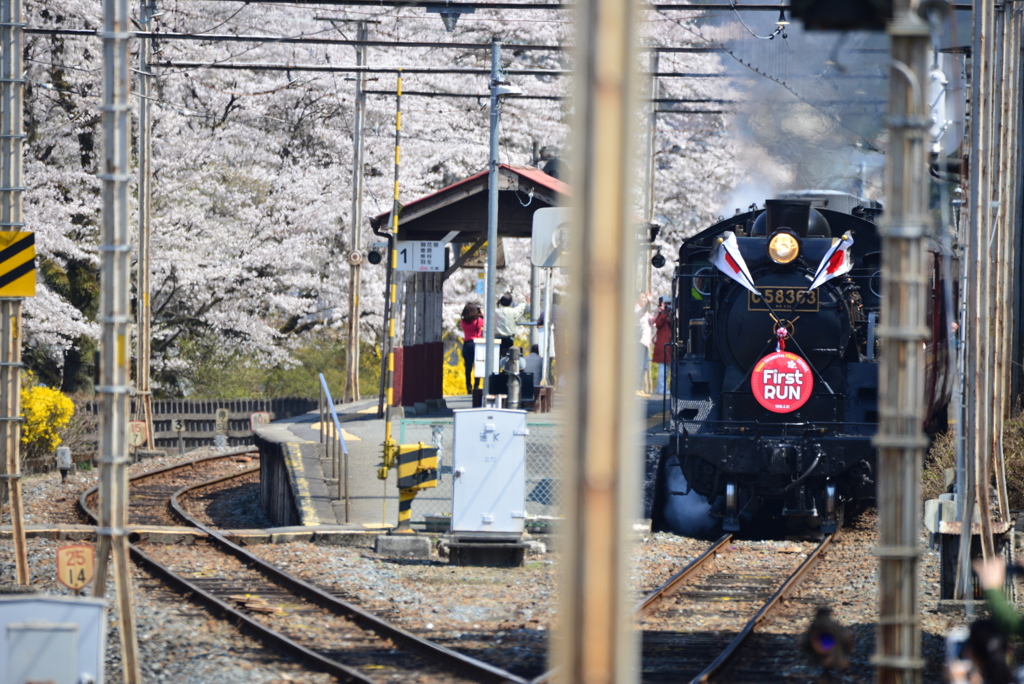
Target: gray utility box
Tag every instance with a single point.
(489, 484)
(58, 639)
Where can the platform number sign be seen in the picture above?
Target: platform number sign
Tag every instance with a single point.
(75, 565)
(259, 418)
(420, 255)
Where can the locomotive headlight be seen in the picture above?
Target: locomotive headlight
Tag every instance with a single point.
(783, 248)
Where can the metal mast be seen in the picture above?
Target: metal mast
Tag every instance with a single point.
(12, 136)
(597, 640)
(492, 218)
(115, 249)
(356, 260)
(143, 314)
(900, 439)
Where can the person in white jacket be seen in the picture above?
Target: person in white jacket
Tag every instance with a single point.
(506, 318)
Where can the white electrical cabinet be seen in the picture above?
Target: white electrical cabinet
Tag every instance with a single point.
(489, 485)
(58, 639)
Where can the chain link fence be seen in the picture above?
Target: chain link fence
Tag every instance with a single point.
(545, 449)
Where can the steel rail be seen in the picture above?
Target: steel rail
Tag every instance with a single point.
(650, 602)
(788, 586)
(466, 664)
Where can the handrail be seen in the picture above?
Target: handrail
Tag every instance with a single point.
(332, 451)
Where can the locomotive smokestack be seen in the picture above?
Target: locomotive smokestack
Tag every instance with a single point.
(788, 213)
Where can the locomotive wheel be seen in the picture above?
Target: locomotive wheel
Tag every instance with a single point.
(658, 521)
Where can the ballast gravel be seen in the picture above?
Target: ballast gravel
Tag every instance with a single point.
(502, 616)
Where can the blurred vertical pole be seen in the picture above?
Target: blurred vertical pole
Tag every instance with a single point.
(115, 249)
(492, 218)
(900, 440)
(12, 137)
(355, 264)
(596, 639)
(143, 311)
(979, 369)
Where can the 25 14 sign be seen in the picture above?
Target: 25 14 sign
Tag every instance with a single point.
(75, 565)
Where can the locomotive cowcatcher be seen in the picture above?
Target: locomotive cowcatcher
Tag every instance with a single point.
(774, 382)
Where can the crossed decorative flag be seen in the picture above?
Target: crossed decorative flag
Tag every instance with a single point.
(835, 263)
(726, 257)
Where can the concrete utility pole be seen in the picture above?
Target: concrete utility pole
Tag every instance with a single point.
(356, 257)
(492, 218)
(143, 330)
(648, 189)
(597, 639)
(900, 440)
(12, 136)
(115, 249)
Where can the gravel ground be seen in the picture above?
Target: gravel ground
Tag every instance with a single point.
(500, 615)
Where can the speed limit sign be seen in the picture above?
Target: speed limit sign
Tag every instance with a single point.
(177, 425)
(258, 418)
(75, 565)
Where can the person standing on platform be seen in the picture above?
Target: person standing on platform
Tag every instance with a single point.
(472, 327)
(644, 320)
(662, 336)
(506, 317)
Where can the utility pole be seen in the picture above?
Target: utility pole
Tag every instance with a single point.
(12, 136)
(648, 189)
(492, 218)
(597, 639)
(900, 440)
(356, 257)
(144, 331)
(115, 249)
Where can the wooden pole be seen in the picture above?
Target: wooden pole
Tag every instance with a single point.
(115, 248)
(12, 135)
(900, 440)
(596, 639)
(355, 264)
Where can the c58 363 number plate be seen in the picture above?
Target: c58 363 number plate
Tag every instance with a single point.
(783, 298)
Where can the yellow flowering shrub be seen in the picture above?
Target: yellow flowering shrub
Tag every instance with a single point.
(454, 372)
(44, 413)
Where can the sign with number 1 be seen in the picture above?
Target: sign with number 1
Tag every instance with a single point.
(75, 565)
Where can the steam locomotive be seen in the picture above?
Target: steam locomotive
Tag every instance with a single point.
(774, 383)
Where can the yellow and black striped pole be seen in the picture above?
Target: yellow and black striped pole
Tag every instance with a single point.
(389, 444)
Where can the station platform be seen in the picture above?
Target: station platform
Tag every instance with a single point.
(306, 474)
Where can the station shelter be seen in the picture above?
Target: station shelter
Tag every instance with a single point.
(424, 224)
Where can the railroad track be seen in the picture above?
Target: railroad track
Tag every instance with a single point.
(282, 611)
(695, 624)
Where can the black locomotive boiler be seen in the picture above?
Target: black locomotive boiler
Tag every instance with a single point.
(774, 383)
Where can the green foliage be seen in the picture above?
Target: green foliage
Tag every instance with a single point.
(45, 412)
(217, 375)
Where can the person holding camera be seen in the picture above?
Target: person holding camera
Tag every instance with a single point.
(992, 577)
(662, 336)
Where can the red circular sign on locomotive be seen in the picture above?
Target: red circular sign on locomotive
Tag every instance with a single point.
(782, 382)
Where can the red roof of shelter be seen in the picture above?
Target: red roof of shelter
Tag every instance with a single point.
(462, 206)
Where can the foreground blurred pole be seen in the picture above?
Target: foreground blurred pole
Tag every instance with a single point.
(596, 640)
(900, 439)
(12, 137)
(115, 248)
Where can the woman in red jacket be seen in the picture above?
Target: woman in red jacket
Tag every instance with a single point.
(472, 328)
(662, 336)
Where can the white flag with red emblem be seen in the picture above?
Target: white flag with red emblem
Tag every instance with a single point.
(726, 257)
(836, 262)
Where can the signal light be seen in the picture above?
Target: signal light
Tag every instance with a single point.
(658, 260)
(374, 257)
